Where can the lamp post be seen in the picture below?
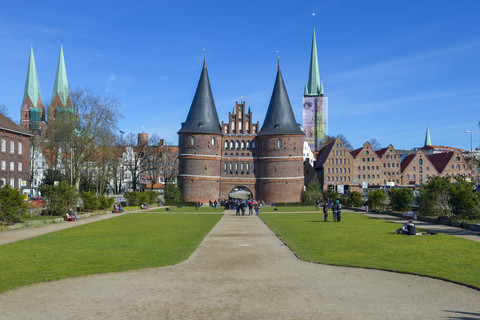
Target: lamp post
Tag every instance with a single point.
(71, 165)
(471, 139)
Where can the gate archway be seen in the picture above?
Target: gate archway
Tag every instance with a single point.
(241, 193)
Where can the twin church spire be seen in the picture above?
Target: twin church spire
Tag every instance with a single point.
(314, 85)
(32, 112)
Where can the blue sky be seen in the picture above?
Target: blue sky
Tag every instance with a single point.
(389, 67)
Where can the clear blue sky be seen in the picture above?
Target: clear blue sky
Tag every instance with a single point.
(389, 67)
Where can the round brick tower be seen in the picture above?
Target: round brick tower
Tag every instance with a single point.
(199, 146)
(280, 150)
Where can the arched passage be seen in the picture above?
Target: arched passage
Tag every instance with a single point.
(240, 192)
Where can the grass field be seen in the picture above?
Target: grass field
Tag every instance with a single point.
(191, 209)
(126, 242)
(367, 242)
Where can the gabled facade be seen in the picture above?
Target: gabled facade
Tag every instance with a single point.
(451, 164)
(417, 168)
(334, 166)
(367, 166)
(391, 165)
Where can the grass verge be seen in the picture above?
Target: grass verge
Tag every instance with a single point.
(190, 209)
(362, 241)
(126, 242)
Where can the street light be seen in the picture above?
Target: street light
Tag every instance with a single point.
(471, 140)
(71, 165)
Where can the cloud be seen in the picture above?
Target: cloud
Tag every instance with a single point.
(118, 83)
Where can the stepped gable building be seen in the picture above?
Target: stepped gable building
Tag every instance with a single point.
(32, 112)
(391, 161)
(334, 166)
(218, 161)
(368, 166)
(417, 168)
(315, 104)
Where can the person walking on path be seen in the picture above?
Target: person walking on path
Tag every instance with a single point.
(237, 208)
(325, 212)
(250, 208)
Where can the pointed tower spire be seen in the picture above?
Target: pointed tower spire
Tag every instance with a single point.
(313, 82)
(32, 85)
(428, 142)
(202, 117)
(320, 91)
(280, 118)
(60, 87)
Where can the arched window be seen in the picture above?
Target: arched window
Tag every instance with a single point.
(236, 166)
(233, 126)
(458, 167)
(231, 144)
(226, 144)
(253, 144)
(192, 140)
(213, 141)
(248, 144)
(239, 126)
(230, 166)
(279, 143)
(241, 166)
(237, 144)
(420, 170)
(414, 168)
(242, 144)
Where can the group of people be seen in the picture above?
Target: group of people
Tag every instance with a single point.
(242, 205)
(336, 208)
(117, 208)
(71, 216)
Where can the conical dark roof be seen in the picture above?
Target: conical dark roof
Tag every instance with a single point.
(202, 117)
(280, 118)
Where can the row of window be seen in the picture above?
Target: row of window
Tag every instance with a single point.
(12, 146)
(339, 161)
(247, 127)
(239, 145)
(3, 182)
(338, 170)
(385, 165)
(332, 179)
(12, 166)
(236, 166)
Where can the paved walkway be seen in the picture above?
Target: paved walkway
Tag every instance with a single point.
(454, 231)
(243, 271)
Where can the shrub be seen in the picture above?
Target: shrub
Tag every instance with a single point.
(105, 202)
(463, 201)
(434, 197)
(59, 198)
(313, 192)
(401, 199)
(354, 199)
(172, 194)
(90, 201)
(376, 200)
(12, 206)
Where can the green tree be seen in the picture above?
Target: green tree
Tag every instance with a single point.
(172, 194)
(52, 175)
(90, 201)
(59, 198)
(377, 200)
(313, 192)
(463, 200)
(12, 206)
(354, 199)
(401, 199)
(434, 197)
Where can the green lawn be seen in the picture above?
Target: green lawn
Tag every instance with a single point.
(367, 242)
(126, 242)
(290, 209)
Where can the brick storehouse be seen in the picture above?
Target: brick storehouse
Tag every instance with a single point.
(14, 154)
(215, 161)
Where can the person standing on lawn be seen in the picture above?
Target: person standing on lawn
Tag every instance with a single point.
(325, 211)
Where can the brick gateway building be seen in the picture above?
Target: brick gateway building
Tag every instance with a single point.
(216, 160)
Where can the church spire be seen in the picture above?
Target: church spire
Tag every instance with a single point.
(280, 118)
(314, 85)
(202, 117)
(428, 142)
(60, 87)
(32, 85)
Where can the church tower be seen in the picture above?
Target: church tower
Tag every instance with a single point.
(280, 159)
(199, 142)
(315, 104)
(428, 141)
(61, 105)
(32, 113)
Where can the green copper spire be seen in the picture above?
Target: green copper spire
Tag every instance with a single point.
(32, 86)
(61, 83)
(313, 83)
(321, 88)
(428, 142)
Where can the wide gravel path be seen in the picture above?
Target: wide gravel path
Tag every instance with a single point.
(243, 271)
